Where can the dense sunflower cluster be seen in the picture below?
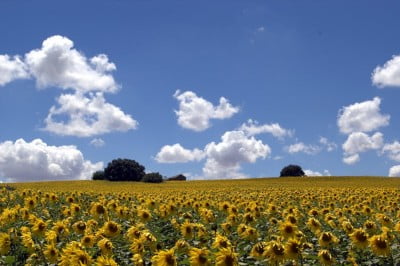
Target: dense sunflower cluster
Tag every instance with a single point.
(286, 221)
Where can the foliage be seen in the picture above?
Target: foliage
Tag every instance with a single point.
(98, 175)
(312, 221)
(124, 170)
(152, 178)
(292, 170)
(179, 177)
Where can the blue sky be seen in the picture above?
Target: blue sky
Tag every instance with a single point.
(212, 89)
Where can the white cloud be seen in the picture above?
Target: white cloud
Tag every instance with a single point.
(261, 29)
(252, 128)
(392, 150)
(195, 112)
(362, 117)
(58, 64)
(34, 161)
(330, 146)
(97, 142)
(309, 172)
(177, 154)
(224, 158)
(394, 171)
(351, 159)
(11, 69)
(87, 116)
(301, 147)
(358, 142)
(389, 74)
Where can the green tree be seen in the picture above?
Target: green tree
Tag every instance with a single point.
(124, 170)
(292, 170)
(152, 178)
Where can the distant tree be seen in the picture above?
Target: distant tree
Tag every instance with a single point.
(152, 178)
(177, 178)
(124, 170)
(98, 175)
(292, 170)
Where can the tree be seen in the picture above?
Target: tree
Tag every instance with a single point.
(152, 178)
(179, 177)
(124, 170)
(292, 170)
(98, 175)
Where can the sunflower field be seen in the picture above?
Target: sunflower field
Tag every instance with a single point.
(269, 221)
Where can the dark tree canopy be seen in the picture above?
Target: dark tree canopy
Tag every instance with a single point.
(152, 178)
(179, 177)
(98, 175)
(292, 170)
(124, 170)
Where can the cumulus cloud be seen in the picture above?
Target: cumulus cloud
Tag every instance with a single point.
(177, 154)
(11, 69)
(35, 160)
(58, 64)
(392, 150)
(359, 142)
(309, 172)
(387, 75)
(301, 147)
(351, 159)
(362, 117)
(224, 158)
(394, 171)
(253, 128)
(97, 142)
(195, 112)
(330, 146)
(87, 116)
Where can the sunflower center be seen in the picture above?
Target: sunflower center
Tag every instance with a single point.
(381, 243)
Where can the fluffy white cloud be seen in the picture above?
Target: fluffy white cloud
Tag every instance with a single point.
(224, 158)
(252, 128)
(309, 172)
(362, 117)
(388, 74)
(195, 112)
(301, 147)
(358, 142)
(97, 142)
(351, 159)
(58, 64)
(33, 161)
(330, 146)
(177, 154)
(87, 116)
(394, 171)
(11, 69)
(392, 150)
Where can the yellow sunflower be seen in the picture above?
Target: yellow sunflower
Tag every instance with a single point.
(199, 257)
(164, 258)
(226, 257)
(359, 238)
(379, 245)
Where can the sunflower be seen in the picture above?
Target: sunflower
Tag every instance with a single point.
(181, 245)
(250, 233)
(73, 254)
(98, 210)
(187, 229)
(275, 252)
(134, 232)
(5, 243)
(199, 257)
(370, 226)
(144, 215)
(79, 227)
(379, 245)
(293, 249)
(105, 246)
(226, 257)
(326, 239)
(88, 241)
(314, 225)
(288, 230)
(325, 257)
(111, 229)
(359, 238)
(61, 228)
(39, 227)
(51, 253)
(258, 250)
(137, 247)
(227, 227)
(137, 260)
(221, 242)
(105, 261)
(164, 258)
